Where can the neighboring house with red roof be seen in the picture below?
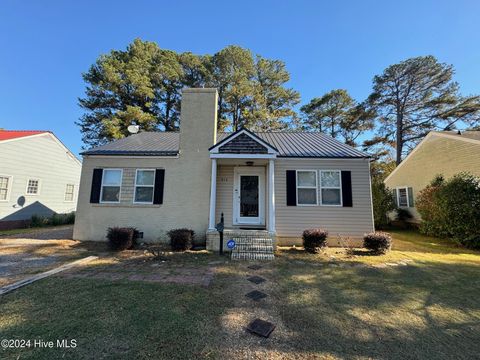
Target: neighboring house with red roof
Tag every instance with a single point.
(269, 186)
(38, 176)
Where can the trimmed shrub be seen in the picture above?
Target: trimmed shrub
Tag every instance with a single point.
(314, 240)
(377, 242)
(181, 239)
(121, 238)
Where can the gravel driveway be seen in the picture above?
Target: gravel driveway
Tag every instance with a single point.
(24, 254)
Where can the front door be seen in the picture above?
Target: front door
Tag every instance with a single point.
(249, 196)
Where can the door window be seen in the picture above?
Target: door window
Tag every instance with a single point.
(249, 205)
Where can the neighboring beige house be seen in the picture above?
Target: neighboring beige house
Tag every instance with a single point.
(270, 184)
(440, 153)
(38, 176)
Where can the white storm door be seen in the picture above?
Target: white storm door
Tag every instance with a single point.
(249, 196)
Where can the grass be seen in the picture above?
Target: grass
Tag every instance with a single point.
(428, 309)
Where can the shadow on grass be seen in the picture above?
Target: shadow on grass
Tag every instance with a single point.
(429, 311)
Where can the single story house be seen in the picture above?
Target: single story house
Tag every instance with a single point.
(273, 184)
(445, 153)
(38, 176)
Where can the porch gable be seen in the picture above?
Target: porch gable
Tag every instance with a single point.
(243, 142)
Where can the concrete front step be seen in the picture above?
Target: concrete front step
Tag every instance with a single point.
(252, 256)
(243, 241)
(254, 248)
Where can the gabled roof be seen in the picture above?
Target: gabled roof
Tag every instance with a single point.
(285, 144)
(141, 144)
(302, 144)
(15, 134)
(468, 136)
(250, 140)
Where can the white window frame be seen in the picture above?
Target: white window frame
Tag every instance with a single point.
(102, 185)
(9, 187)
(38, 187)
(152, 186)
(398, 196)
(331, 187)
(307, 187)
(73, 193)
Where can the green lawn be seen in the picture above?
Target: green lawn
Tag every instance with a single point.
(429, 309)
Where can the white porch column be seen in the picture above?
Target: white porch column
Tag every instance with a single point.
(271, 195)
(213, 195)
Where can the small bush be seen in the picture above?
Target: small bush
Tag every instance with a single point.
(471, 242)
(121, 238)
(403, 214)
(378, 242)
(314, 240)
(62, 219)
(38, 221)
(181, 239)
(54, 220)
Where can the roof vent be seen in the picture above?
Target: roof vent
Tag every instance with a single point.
(459, 132)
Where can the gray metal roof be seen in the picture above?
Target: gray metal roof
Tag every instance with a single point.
(289, 144)
(307, 144)
(141, 144)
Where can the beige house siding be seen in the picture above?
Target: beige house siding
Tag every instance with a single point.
(39, 157)
(436, 155)
(348, 221)
(187, 181)
(292, 220)
(224, 194)
(185, 200)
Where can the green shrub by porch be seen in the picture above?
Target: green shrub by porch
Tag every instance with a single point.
(121, 238)
(314, 240)
(378, 242)
(181, 239)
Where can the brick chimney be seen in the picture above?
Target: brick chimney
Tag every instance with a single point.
(198, 121)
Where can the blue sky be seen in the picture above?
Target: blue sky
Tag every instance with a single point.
(46, 45)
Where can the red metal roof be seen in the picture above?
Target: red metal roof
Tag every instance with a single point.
(13, 134)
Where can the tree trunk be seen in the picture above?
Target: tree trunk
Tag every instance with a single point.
(399, 139)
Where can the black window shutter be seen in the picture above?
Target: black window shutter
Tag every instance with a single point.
(395, 198)
(159, 185)
(96, 186)
(291, 188)
(347, 189)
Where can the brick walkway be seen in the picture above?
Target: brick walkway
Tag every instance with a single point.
(149, 272)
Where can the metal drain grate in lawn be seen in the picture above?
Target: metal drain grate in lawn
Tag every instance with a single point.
(256, 295)
(254, 267)
(261, 327)
(256, 279)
